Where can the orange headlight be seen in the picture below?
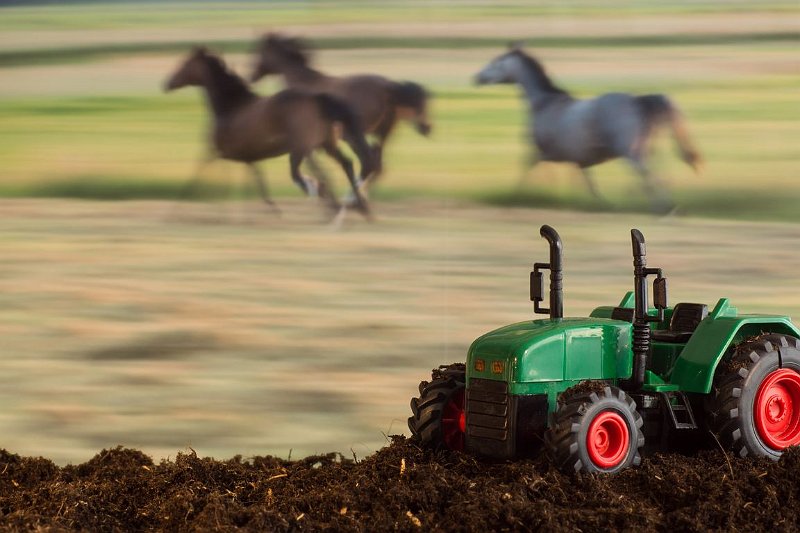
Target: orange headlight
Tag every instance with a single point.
(480, 365)
(497, 367)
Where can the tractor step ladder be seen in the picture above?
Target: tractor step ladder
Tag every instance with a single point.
(680, 412)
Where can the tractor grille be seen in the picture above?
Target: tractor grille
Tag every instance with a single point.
(488, 409)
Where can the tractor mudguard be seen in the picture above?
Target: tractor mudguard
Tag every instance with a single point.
(723, 328)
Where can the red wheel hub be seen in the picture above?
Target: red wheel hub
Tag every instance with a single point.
(454, 422)
(777, 409)
(608, 439)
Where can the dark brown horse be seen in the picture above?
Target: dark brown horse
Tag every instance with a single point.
(378, 102)
(248, 128)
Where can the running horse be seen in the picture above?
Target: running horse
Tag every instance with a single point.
(248, 128)
(589, 132)
(377, 101)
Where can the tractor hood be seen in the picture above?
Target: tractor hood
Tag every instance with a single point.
(543, 350)
(515, 339)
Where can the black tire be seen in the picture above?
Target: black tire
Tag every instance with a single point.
(733, 414)
(567, 437)
(432, 421)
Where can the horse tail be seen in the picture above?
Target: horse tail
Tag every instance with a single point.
(658, 109)
(336, 110)
(410, 95)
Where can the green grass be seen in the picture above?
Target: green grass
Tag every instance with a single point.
(135, 143)
(121, 15)
(74, 54)
(145, 147)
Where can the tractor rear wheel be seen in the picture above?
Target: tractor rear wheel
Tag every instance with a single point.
(595, 432)
(755, 409)
(438, 416)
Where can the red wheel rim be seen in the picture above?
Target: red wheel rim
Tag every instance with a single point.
(454, 422)
(777, 409)
(608, 439)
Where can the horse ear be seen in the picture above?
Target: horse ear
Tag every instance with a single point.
(515, 45)
(199, 49)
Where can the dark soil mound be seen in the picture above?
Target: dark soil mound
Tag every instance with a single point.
(399, 488)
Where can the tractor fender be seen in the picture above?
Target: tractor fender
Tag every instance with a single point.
(715, 335)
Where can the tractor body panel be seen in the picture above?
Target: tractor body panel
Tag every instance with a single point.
(515, 374)
(543, 351)
(690, 366)
(695, 366)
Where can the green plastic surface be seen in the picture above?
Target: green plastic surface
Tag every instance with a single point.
(547, 356)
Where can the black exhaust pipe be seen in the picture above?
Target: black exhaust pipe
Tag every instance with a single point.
(641, 324)
(556, 309)
(641, 317)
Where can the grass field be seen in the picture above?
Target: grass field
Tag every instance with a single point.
(83, 115)
(236, 332)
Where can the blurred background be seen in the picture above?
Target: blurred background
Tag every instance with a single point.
(234, 331)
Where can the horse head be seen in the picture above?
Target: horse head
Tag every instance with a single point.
(502, 69)
(191, 72)
(412, 105)
(277, 52)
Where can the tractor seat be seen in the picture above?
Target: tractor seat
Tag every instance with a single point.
(685, 318)
(622, 313)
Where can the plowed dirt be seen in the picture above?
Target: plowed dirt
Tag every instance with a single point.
(399, 488)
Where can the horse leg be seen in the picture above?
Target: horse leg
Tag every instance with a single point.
(587, 177)
(188, 189)
(377, 159)
(325, 190)
(528, 165)
(261, 183)
(358, 198)
(382, 133)
(194, 181)
(309, 186)
(659, 197)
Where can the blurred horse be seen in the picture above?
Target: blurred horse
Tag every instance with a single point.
(588, 132)
(248, 128)
(377, 101)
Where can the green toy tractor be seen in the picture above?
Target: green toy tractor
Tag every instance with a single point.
(597, 392)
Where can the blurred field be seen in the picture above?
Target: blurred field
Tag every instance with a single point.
(83, 114)
(272, 335)
(235, 332)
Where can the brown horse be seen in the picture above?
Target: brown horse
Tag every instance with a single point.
(378, 102)
(248, 128)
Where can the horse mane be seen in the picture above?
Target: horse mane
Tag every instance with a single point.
(231, 89)
(538, 71)
(293, 49)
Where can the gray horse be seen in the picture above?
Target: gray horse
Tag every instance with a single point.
(588, 132)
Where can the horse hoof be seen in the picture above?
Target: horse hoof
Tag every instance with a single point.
(312, 187)
(336, 222)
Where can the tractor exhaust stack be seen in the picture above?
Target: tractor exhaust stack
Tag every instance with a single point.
(556, 309)
(641, 317)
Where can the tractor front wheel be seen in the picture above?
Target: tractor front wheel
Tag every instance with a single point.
(595, 432)
(756, 405)
(438, 416)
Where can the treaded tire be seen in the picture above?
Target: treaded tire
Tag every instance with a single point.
(567, 437)
(733, 412)
(437, 415)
